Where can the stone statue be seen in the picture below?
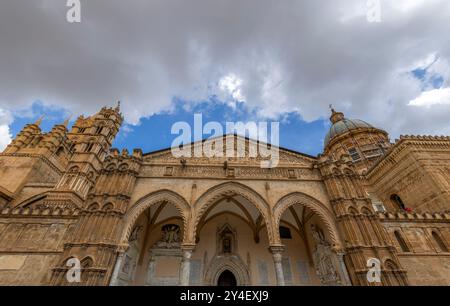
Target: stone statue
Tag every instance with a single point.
(322, 258)
(170, 236)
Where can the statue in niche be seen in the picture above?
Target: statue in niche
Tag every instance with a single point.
(322, 258)
(226, 245)
(170, 237)
(226, 240)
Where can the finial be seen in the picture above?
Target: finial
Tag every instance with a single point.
(118, 106)
(332, 109)
(66, 122)
(39, 121)
(336, 116)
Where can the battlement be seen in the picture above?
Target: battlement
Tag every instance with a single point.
(116, 154)
(38, 212)
(415, 217)
(423, 137)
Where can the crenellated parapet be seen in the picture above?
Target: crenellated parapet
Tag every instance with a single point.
(39, 212)
(118, 175)
(402, 216)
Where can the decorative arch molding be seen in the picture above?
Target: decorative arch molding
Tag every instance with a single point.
(324, 214)
(161, 196)
(32, 200)
(232, 263)
(229, 189)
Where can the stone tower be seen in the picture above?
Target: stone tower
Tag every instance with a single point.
(90, 140)
(363, 142)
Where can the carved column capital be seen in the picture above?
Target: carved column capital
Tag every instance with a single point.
(187, 248)
(122, 248)
(277, 249)
(185, 267)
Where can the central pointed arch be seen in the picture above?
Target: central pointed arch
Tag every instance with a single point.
(230, 189)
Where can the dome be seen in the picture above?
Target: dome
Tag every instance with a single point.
(342, 125)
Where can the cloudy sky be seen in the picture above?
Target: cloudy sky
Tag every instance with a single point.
(232, 60)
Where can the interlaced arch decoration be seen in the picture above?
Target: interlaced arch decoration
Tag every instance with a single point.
(324, 214)
(230, 189)
(151, 199)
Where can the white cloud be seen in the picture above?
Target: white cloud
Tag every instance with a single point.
(432, 97)
(278, 56)
(5, 133)
(231, 84)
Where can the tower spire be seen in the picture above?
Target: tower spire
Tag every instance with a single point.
(118, 106)
(39, 121)
(66, 122)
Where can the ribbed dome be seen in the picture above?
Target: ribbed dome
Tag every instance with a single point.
(342, 125)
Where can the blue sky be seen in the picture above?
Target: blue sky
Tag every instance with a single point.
(154, 133)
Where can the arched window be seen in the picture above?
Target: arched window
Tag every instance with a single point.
(285, 232)
(397, 201)
(74, 169)
(439, 242)
(72, 147)
(354, 154)
(60, 151)
(401, 242)
(89, 147)
(99, 130)
(93, 207)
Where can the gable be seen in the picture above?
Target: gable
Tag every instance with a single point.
(231, 148)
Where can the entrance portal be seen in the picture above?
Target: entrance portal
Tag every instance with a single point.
(226, 279)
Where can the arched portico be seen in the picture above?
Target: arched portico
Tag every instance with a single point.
(230, 190)
(163, 210)
(324, 213)
(151, 199)
(325, 248)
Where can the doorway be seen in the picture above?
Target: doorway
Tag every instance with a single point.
(226, 279)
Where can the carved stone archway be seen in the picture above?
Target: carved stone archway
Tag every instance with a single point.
(149, 200)
(232, 263)
(229, 189)
(129, 220)
(324, 214)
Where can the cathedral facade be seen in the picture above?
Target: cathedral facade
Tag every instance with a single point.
(367, 211)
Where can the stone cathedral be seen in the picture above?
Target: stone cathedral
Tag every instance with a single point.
(72, 205)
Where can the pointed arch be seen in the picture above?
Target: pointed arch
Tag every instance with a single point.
(230, 189)
(161, 196)
(324, 214)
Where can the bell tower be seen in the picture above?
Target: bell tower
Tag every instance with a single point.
(90, 140)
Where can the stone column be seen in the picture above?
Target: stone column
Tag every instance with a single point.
(185, 267)
(121, 250)
(345, 278)
(277, 254)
